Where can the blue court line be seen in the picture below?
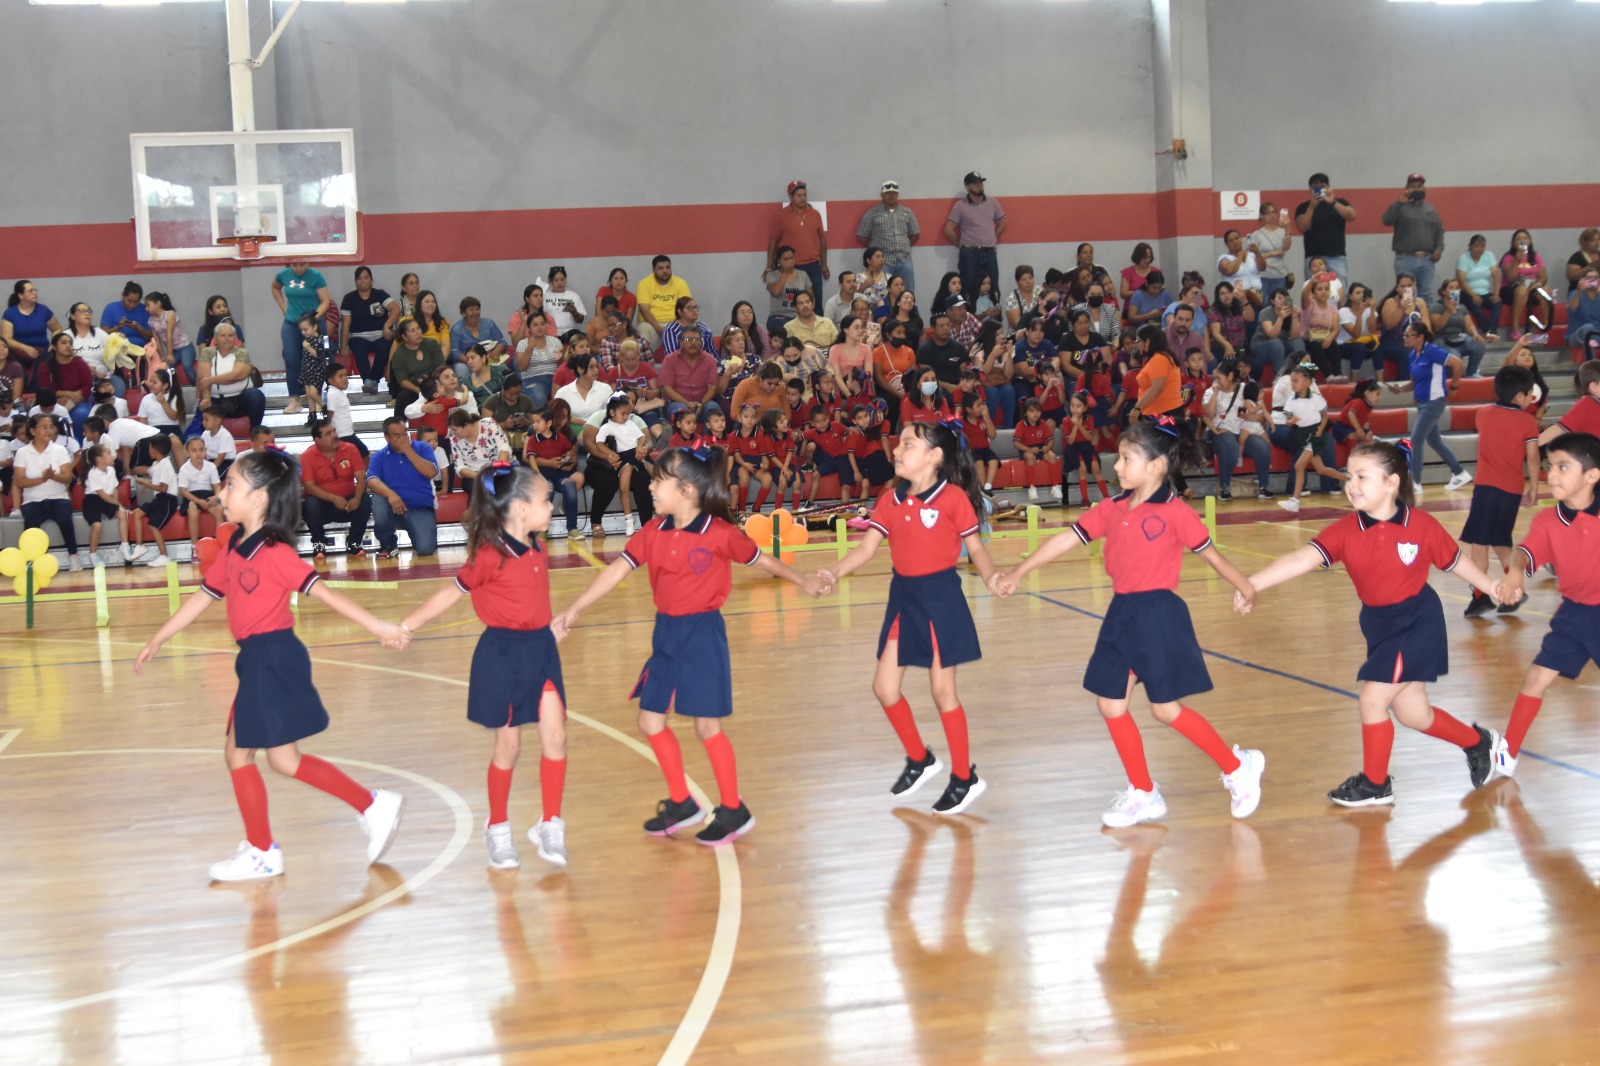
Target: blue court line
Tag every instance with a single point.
(1581, 771)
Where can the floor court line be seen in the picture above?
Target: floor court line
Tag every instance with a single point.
(730, 902)
(7, 736)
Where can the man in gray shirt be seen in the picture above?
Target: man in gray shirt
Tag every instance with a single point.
(893, 228)
(1418, 234)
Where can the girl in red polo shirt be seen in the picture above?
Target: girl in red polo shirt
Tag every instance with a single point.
(1388, 548)
(931, 512)
(276, 705)
(1147, 636)
(786, 471)
(516, 671)
(687, 549)
(749, 446)
(1035, 441)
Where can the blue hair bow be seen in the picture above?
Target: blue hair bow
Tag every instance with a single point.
(493, 471)
(1166, 424)
(958, 429)
(701, 453)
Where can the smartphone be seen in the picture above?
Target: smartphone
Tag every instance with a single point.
(1283, 216)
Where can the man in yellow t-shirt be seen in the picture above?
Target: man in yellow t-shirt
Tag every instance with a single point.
(658, 296)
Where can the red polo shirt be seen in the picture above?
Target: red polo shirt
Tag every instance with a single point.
(1144, 544)
(510, 588)
(752, 448)
(1032, 434)
(1584, 416)
(336, 475)
(925, 532)
(1571, 540)
(915, 412)
(256, 578)
(1387, 560)
(555, 446)
(1504, 433)
(830, 441)
(689, 571)
(801, 230)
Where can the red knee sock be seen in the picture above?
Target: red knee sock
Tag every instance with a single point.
(670, 757)
(761, 499)
(332, 780)
(499, 794)
(1522, 715)
(1130, 749)
(1448, 727)
(1105, 493)
(905, 728)
(725, 769)
(552, 781)
(955, 734)
(1377, 741)
(1198, 731)
(251, 793)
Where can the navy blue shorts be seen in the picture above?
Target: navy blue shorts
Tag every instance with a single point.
(839, 467)
(1573, 640)
(1406, 641)
(928, 615)
(984, 455)
(160, 509)
(1079, 453)
(1492, 518)
(97, 510)
(1151, 636)
(876, 469)
(511, 670)
(688, 670)
(276, 703)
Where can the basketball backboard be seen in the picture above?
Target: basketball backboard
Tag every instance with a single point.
(194, 190)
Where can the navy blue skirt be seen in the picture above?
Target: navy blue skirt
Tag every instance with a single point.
(1573, 640)
(689, 670)
(276, 703)
(928, 615)
(1150, 636)
(1406, 641)
(511, 669)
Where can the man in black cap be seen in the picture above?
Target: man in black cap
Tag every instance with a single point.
(1418, 234)
(975, 226)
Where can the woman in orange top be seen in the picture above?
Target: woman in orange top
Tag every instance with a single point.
(1161, 390)
(890, 360)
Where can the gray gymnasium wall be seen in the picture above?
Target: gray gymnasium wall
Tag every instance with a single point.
(514, 104)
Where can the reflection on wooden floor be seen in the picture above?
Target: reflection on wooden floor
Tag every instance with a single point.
(1461, 927)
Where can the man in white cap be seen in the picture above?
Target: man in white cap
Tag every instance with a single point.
(1418, 234)
(799, 226)
(894, 229)
(975, 226)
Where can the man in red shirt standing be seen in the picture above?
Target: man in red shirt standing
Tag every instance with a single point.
(799, 226)
(335, 480)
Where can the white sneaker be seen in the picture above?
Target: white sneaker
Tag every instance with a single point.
(1459, 481)
(502, 855)
(249, 864)
(127, 551)
(159, 560)
(1055, 491)
(74, 563)
(1133, 806)
(1502, 763)
(1416, 489)
(551, 836)
(1305, 492)
(1244, 784)
(1033, 492)
(381, 821)
(1291, 505)
(988, 486)
(630, 525)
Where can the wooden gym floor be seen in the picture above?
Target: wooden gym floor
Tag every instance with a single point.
(1462, 927)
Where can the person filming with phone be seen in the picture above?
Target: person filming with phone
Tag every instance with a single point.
(1418, 233)
(1322, 220)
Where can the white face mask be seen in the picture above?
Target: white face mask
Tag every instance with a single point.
(929, 388)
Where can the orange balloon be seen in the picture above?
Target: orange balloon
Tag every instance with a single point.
(206, 551)
(758, 527)
(226, 531)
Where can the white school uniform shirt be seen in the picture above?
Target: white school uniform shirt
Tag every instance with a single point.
(60, 410)
(344, 424)
(620, 437)
(125, 433)
(100, 481)
(203, 479)
(164, 473)
(1282, 392)
(31, 462)
(117, 402)
(1304, 410)
(151, 412)
(219, 445)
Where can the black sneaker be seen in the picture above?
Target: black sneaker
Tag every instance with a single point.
(1480, 606)
(1358, 791)
(727, 825)
(1509, 608)
(386, 553)
(1224, 495)
(916, 773)
(959, 793)
(1480, 757)
(1266, 494)
(671, 815)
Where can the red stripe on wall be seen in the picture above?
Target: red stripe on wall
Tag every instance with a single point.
(700, 229)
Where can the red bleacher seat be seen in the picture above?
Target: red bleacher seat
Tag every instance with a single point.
(238, 429)
(1337, 395)
(1474, 391)
(1390, 422)
(450, 507)
(1464, 417)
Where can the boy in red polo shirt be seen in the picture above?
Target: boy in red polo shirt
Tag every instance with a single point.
(1508, 442)
(1585, 414)
(1567, 536)
(830, 453)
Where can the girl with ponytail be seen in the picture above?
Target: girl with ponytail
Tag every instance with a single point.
(1147, 636)
(688, 549)
(1388, 548)
(516, 671)
(932, 511)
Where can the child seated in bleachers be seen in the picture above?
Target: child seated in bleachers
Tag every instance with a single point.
(1034, 440)
(785, 459)
(865, 442)
(624, 436)
(218, 442)
(198, 482)
(100, 502)
(979, 429)
(748, 447)
(1306, 415)
(161, 508)
(827, 450)
(1354, 423)
(1051, 392)
(162, 406)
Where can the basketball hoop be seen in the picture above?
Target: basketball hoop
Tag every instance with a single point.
(246, 246)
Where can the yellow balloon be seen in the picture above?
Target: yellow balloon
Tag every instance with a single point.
(33, 543)
(11, 562)
(44, 570)
(18, 583)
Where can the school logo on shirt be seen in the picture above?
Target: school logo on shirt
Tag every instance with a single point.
(1408, 553)
(930, 517)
